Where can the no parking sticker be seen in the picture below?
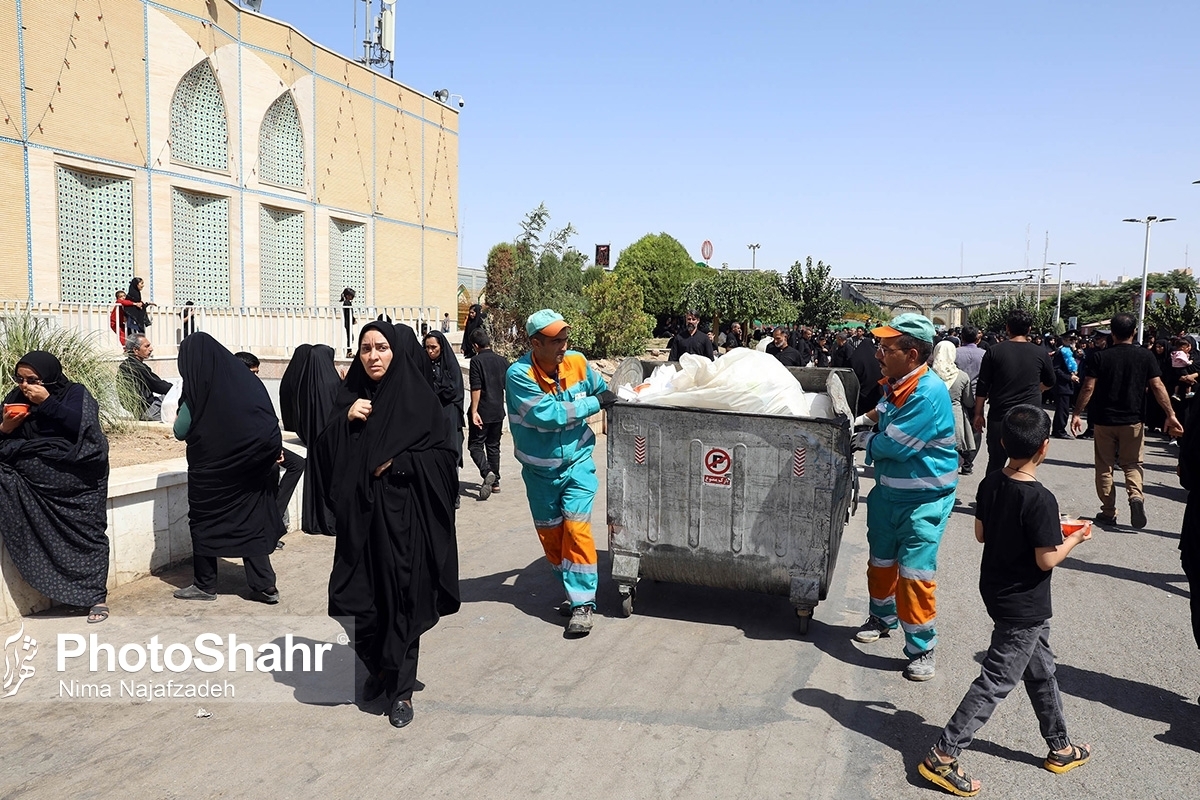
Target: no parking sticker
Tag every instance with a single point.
(717, 463)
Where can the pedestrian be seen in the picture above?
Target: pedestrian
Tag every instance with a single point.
(487, 412)
(843, 349)
(233, 449)
(145, 388)
(959, 385)
(116, 317)
(54, 485)
(137, 319)
(1011, 373)
(348, 320)
(446, 322)
(448, 383)
(733, 337)
(390, 458)
(550, 392)
(1189, 535)
(291, 465)
(866, 369)
(1066, 378)
(916, 473)
(691, 340)
(188, 320)
(784, 352)
(1114, 392)
(967, 358)
(307, 393)
(475, 318)
(1016, 520)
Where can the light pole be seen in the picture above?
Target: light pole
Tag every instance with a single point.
(1058, 304)
(1148, 221)
(753, 254)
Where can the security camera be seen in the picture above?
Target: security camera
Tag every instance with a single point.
(461, 102)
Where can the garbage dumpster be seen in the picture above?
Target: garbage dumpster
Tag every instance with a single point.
(730, 500)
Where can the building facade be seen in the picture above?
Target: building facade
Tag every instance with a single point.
(218, 154)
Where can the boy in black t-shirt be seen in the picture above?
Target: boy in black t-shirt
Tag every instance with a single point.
(1016, 519)
(487, 411)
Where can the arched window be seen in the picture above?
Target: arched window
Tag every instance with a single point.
(281, 144)
(199, 133)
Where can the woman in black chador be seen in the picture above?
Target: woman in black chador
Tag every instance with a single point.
(448, 384)
(306, 396)
(475, 317)
(393, 482)
(54, 485)
(233, 445)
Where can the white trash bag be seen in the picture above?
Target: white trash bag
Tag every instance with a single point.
(170, 402)
(743, 380)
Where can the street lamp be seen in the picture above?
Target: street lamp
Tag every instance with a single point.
(1148, 221)
(1058, 305)
(753, 254)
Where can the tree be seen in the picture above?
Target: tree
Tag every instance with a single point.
(993, 318)
(538, 270)
(612, 323)
(1169, 318)
(739, 296)
(817, 296)
(662, 267)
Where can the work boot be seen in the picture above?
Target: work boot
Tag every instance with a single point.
(872, 630)
(581, 621)
(921, 667)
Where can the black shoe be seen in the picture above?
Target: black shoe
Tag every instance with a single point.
(485, 488)
(270, 597)
(457, 501)
(194, 593)
(966, 470)
(373, 687)
(1137, 513)
(1106, 520)
(401, 713)
(1062, 436)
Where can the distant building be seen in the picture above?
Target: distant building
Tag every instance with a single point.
(218, 154)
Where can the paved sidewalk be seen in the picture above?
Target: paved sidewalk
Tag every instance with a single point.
(701, 693)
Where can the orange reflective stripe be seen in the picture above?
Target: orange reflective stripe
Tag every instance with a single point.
(881, 581)
(552, 542)
(578, 546)
(915, 601)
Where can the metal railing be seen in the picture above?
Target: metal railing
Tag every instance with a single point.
(262, 331)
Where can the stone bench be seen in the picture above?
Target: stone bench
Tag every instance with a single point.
(147, 531)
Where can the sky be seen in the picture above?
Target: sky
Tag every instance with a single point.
(888, 139)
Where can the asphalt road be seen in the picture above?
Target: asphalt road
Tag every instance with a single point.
(702, 693)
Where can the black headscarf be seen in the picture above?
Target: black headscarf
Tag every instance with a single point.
(447, 381)
(316, 390)
(471, 326)
(289, 397)
(134, 295)
(54, 488)
(395, 565)
(232, 448)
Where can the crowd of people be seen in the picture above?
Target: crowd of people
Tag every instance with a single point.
(385, 445)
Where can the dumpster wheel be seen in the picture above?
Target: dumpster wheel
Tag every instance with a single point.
(803, 618)
(627, 595)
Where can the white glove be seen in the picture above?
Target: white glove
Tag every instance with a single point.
(863, 421)
(861, 440)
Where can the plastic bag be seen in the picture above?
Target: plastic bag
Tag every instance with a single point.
(170, 402)
(743, 380)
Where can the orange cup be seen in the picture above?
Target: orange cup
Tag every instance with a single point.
(19, 408)
(1070, 526)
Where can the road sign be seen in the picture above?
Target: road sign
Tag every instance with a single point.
(716, 467)
(706, 250)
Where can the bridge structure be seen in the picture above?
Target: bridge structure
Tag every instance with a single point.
(947, 301)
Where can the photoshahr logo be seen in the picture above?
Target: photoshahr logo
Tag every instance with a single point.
(19, 651)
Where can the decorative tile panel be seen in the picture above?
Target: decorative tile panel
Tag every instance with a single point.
(199, 133)
(347, 258)
(281, 257)
(200, 248)
(281, 144)
(95, 235)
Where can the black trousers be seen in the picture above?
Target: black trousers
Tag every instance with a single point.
(292, 468)
(260, 576)
(997, 457)
(402, 683)
(1062, 414)
(484, 446)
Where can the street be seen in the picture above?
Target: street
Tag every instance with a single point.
(701, 693)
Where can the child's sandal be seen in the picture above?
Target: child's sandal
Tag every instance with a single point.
(947, 775)
(1065, 762)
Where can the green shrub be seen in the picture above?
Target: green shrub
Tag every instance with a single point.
(82, 361)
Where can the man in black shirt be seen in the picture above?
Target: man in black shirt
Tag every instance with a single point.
(1012, 373)
(787, 355)
(1116, 382)
(487, 411)
(148, 387)
(843, 348)
(866, 369)
(696, 341)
